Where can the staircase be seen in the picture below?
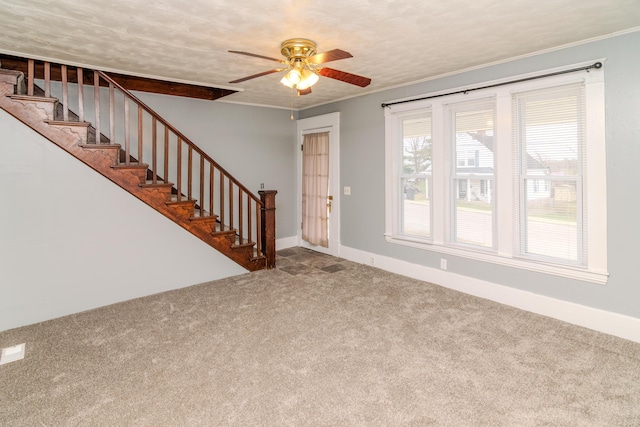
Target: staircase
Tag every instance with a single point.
(105, 126)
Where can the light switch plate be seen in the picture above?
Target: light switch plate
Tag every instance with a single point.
(347, 191)
(11, 354)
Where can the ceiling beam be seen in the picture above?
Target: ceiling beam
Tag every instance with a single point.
(141, 84)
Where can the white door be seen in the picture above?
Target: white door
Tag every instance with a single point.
(326, 123)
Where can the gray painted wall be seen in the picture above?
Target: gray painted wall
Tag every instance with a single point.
(71, 240)
(362, 143)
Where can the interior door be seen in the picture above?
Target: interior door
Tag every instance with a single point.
(316, 200)
(329, 198)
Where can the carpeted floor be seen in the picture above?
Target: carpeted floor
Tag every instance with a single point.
(317, 341)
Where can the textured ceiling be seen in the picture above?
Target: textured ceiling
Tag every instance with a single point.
(393, 42)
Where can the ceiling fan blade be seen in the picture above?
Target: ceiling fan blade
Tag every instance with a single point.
(345, 77)
(306, 91)
(256, 55)
(332, 55)
(264, 73)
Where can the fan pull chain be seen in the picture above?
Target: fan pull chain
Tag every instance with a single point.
(292, 89)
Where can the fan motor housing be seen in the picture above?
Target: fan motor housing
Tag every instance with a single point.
(298, 48)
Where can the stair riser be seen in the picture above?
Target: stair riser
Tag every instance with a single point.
(7, 87)
(45, 109)
(79, 131)
(12, 82)
(166, 191)
(182, 211)
(139, 174)
(110, 151)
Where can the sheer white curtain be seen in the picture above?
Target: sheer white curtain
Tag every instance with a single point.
(315, 188)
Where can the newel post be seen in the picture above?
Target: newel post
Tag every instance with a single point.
(268, 217)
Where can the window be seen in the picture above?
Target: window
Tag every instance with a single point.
(513, 174)
(472, 216)
(415, 177)
(550, 141)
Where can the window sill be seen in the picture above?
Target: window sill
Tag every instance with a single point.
(576, 273)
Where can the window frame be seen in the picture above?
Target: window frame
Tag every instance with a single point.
(523, 177)
(395, 187)
(507, 242)
(455, 177)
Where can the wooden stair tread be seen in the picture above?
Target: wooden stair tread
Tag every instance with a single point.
(206, 217)
(67, 123)
(130, 166)
(243, 245)
(209, 218)
(158, 184)
(223, 232)
(100, 146)
(18, 97)
(183, 201)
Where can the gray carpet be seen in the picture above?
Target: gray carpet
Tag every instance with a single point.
(317, 341)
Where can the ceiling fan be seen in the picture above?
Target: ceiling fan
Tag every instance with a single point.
(302, 66)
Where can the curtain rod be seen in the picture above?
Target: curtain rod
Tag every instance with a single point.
(596, 65)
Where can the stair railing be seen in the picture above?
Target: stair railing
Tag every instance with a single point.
(119, 117)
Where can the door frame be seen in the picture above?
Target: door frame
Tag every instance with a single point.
(323, 123)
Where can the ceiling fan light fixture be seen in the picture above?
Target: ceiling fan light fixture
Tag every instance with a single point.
(309, 78)
(302, 66)
(292, 78)
(286, 81)
(301, 77)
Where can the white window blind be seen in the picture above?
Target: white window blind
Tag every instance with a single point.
(550, 143)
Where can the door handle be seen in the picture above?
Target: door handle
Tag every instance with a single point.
(330, 203)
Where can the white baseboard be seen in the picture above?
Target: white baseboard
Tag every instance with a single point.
(611, 323)
(286, 242)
